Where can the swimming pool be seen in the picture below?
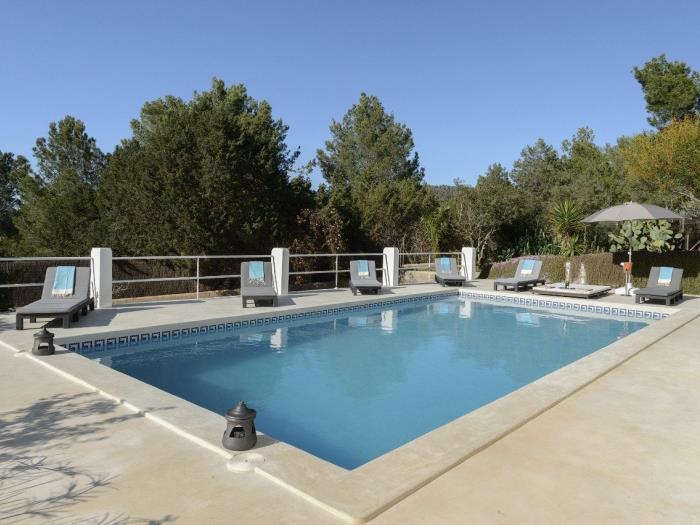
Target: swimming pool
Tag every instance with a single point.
(350, 388)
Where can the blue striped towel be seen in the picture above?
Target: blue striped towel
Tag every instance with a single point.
(363, 269)
(665, 275)
(528, 267)
(445, 264)
(63, 281)
(256, 273)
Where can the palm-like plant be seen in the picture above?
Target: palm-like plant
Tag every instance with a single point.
(565, 224)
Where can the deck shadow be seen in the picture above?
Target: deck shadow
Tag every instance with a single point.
(41, 487)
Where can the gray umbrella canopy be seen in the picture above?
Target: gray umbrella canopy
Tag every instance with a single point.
(632, 211)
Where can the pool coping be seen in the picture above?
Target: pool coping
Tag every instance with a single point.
(361, 494)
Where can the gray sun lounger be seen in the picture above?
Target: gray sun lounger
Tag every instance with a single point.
(364, 283)
(527, 275)
(449, 273)
(664, 284)
(66, 308)
(251, 291)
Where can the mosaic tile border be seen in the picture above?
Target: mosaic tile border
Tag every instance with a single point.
(618, 311)
(121, 341)
(169, 334)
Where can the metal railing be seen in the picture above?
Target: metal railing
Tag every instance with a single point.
(336, 270)
(37, 259)
(335, 267)
(431, 256)
(197, 277)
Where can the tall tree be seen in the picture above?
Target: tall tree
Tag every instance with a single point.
(671, 90)
(10, 166)
(596, 181)
(666, 164)
(208, 175)
(57, 212)
(539, 172)
(482, 212)
(374, 177)
(8, 192)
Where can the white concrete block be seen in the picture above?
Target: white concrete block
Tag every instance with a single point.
(280, 270)
(469, 262)
(102, 276)
(390, 275)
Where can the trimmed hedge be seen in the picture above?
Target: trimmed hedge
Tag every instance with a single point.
(604, 268)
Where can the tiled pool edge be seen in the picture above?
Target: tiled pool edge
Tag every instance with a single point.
(88, 343)
(573, 305)
(379, 486)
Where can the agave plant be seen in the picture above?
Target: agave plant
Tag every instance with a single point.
(565, 224)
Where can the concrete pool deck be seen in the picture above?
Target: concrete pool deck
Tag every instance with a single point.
(636, 420)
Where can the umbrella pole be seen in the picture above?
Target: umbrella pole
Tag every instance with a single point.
(628, 273)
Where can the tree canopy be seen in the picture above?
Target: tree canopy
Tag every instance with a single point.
(57, 213)
(666, 164)
(8, 193)
(213, 174)
(671, 90)
(374, 177)
(209, 175)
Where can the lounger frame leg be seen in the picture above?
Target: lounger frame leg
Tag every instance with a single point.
(66, 320)
(19, 322)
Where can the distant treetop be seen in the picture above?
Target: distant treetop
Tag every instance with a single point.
(671, 90)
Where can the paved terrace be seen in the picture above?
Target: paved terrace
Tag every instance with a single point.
(623, 449)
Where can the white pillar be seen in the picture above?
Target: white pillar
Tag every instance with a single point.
(389, 320)
(390, 275)
(278, 340)
(102, 276)
(469, 263)
(280, 270)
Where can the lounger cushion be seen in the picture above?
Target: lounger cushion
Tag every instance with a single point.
(661, 291)
(42, 307)
(512, 280)
(259, 291)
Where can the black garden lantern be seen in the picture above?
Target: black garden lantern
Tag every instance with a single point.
(43, 343)
(240, 428)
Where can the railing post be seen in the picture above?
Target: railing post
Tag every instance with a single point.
(469, 263)
(280, 270)
(336, 271)
(390, 275)
(197, 281)
(101, 262)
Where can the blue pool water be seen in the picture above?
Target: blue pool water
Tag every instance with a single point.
(349, 389)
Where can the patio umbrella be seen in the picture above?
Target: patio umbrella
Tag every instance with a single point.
(632, 211)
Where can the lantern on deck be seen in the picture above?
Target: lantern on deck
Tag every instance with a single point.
(43, 343)
(240, 428)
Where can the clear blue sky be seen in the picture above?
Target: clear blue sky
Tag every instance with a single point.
(475, 81)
